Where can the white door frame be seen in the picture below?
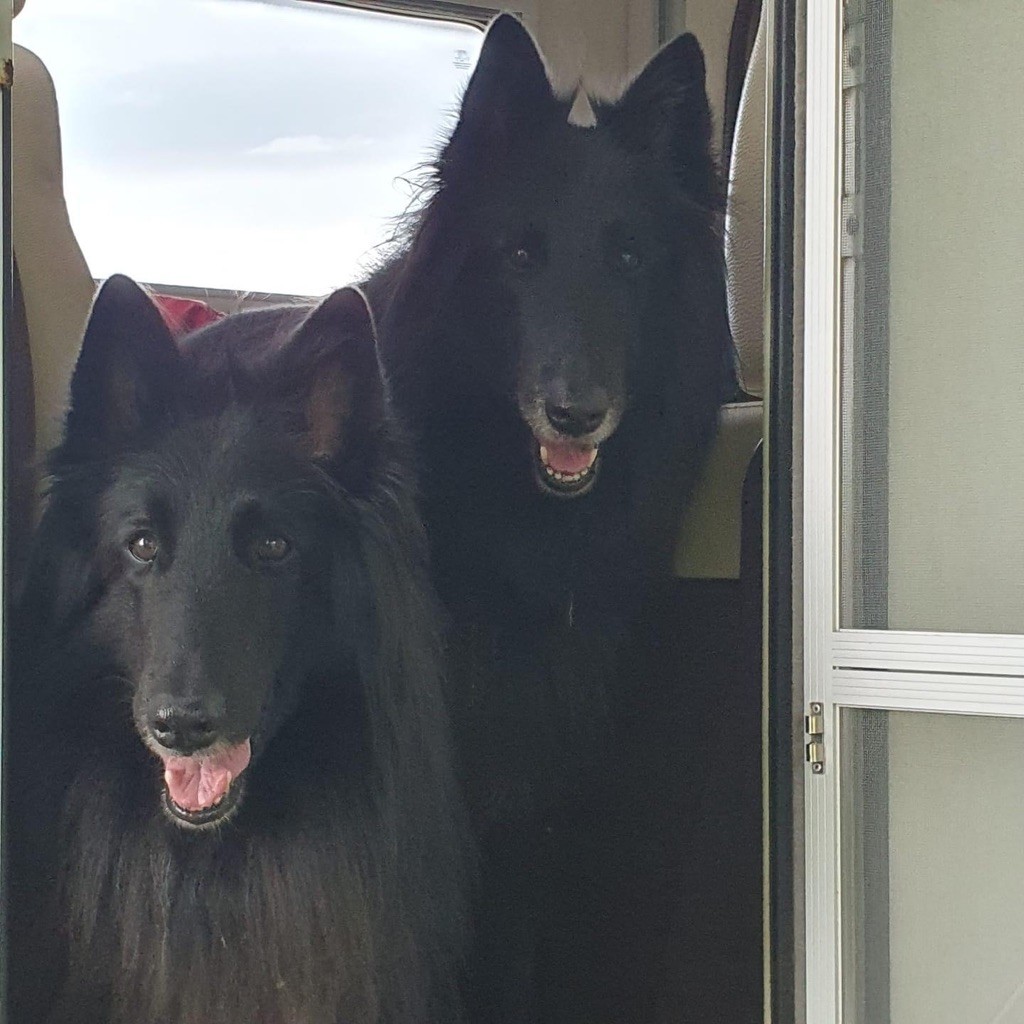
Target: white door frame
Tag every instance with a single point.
(820, 344)
(975, 674)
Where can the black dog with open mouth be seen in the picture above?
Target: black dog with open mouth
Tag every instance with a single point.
(231, 575)
(555, 329)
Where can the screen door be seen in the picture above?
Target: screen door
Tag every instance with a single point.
(914, 512)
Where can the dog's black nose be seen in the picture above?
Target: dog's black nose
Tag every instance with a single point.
(183, 729)
(577, 419)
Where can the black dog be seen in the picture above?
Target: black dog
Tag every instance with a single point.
(556, 332)
(231, 790)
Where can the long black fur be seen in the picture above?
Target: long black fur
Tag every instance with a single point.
(622, 283)
(335, 893)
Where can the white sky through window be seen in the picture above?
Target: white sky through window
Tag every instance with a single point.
(258, 145)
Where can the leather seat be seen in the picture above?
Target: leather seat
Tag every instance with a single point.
(52, 290)
(56, 285)
(709, 539)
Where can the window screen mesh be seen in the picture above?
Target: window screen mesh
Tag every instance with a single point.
(932, 459)
(932, 880)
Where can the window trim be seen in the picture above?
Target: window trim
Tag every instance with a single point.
(226, 300)
(437, 10)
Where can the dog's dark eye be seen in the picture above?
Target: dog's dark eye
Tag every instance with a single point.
(520, 258)
(270, 549)
(143, 546)
(629, 261)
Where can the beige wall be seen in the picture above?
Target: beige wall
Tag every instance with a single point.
(605, 41)
(597, 41)
(583, 38)
(711, 22)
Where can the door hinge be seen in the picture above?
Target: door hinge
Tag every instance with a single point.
(814, 727)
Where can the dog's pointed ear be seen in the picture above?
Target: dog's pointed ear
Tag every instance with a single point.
(126, 369)
(330, 366)
(508, 94)
(665, 111)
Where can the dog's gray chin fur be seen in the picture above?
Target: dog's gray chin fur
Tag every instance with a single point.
(532, 412)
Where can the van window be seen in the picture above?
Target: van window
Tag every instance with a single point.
(255, 145)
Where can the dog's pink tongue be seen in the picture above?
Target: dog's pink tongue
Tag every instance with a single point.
(567, 458)
(196, 783)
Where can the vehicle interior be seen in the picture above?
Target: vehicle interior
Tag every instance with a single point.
(700, 647)
(835, 671)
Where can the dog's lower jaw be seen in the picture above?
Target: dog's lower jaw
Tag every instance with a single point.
(555, 484)
(208, 818)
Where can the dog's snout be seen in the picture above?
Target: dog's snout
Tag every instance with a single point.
(183, 726)
(576, 419)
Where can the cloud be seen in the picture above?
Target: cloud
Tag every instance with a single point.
(309, 145)
(135, 98)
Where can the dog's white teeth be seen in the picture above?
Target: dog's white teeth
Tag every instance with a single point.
(564, 478)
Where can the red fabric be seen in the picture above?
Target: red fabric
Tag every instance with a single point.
(183, 316)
